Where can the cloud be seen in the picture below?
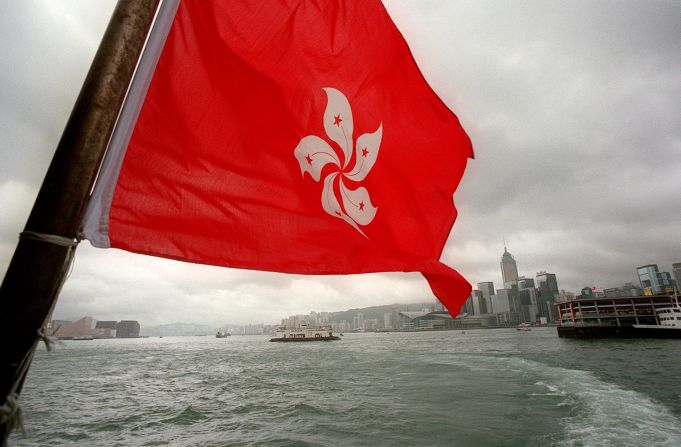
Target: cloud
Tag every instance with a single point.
(572, 108)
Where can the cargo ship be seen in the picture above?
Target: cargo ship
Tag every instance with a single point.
(303, 333)
(657, 316)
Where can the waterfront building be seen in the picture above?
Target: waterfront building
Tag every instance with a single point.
(527, 299)
(653, 281)
(388, 321)
(106, 329)
(68, 329)
(358, 322)
(54, 325)
(127, 329)
(487, 289)
(628, 289)
(419, 321)
(371, 324)
(467, 307)
(676, 269)
(509, 269)
(438, 306)
(501, 301)
(479, 303)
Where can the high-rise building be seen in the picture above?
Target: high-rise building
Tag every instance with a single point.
(547, 285)
(487, 289)
(525, 283)
(358, 322)
(527, 299)
(501, 301)
(467, 307)
(479, 303)
(653, 281)
(509, 269)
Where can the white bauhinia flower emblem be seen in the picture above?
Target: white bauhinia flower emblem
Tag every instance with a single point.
(313, 154)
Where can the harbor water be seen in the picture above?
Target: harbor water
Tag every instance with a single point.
(497, 387)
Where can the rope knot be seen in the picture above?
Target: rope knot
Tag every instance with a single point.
(10, 414)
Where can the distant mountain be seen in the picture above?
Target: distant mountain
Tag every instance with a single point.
(177, 329)
(378, 311)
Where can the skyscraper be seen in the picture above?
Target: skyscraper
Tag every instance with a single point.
(479, 303)
(548, 290)
(487, 289)
(509, 269)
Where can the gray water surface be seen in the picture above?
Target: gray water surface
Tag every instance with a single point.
(495, 387)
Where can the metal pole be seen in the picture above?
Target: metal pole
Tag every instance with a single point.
(33, 278)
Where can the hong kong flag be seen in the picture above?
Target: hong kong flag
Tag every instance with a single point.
(292, 136)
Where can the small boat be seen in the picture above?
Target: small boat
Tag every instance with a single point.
(303, 333)
(222, 334)
(524, 327)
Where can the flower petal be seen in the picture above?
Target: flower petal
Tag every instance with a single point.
(329, 199)
(338, 121)
(330, 202)
(357, 204)
(366, 152)
(313, 154)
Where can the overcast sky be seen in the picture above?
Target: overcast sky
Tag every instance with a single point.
(574, 110)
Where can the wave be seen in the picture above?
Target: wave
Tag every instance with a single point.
(186, 417)
(603, 414)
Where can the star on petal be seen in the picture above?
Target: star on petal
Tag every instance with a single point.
(365, 152)
(309, 159)
(337, 120)
(361, 206)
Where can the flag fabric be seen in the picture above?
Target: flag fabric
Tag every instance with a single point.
(292, 136)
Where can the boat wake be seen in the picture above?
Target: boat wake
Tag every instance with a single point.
(601, 413)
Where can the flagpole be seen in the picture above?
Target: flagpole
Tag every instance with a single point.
(46, 246)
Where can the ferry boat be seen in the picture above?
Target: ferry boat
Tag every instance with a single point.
(222, 334)
(303, 333)
(670, 320)
(657, 316)
(524, 327)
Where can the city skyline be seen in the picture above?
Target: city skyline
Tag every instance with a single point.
(572, 112)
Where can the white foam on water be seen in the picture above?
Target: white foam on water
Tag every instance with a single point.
(604, 413)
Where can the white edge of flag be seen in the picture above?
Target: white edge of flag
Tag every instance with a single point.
(95, 225)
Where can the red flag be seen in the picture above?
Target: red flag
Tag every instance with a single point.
(293, 136)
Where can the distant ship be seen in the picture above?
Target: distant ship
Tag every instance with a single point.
(524, 327)
(222, 334)
(303, 333)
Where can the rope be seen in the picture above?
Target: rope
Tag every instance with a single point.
(10, 414)
(50, 238)
(49, 340)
